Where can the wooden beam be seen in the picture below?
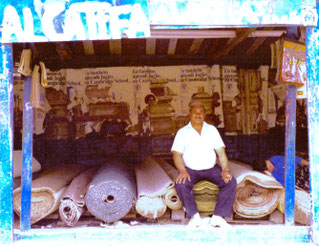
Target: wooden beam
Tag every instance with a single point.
(212, 50)
(257, 43)
(150, 46)
(151, 60)
(172, 46)
(195, 46)
(88, 47)
(115, 46)
(241, 35)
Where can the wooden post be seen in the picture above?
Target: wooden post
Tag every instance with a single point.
(27, 143)
(290, 136)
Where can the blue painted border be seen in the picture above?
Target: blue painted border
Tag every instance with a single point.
(312, 40)
(175, 235)
(239, 235)
(6, 144)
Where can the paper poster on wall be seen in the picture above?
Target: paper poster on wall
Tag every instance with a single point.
(230, 80)
(217, 102)
(149, 100)
(293, 68)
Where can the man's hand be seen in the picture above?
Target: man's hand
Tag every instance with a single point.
(223, 162)
(182, 177)
(179, 163)
(226, 176)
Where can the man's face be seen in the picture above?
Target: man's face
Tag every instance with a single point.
(270, 166)
(197, 115)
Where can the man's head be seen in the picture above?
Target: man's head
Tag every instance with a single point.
(262, 165)
(149, 99)
(197, 112)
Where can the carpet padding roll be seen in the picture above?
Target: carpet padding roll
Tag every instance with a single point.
(112, 192)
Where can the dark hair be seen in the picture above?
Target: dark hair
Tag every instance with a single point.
(260, 165)
(148, 98)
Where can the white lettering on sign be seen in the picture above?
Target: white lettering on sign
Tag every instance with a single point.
(11, 25)
(82, 21)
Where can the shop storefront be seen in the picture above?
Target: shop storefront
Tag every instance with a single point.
(62, 21)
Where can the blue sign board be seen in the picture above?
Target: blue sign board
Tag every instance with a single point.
(64, 20)
(60, 20)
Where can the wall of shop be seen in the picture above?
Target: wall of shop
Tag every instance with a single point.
(86, 115)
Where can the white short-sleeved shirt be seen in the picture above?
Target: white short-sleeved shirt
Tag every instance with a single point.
(198, 150)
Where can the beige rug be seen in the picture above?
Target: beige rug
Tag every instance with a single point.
(257, 194)
(47, 190)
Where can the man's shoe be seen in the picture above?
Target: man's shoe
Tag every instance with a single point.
(195, 221)
(218, 221)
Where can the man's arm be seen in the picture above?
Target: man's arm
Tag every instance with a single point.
(179, 163)
(223, 162)
(304, 162)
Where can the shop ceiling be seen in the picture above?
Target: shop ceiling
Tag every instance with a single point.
(244, 47)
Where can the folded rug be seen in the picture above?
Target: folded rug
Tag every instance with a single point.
(47, 190)
(257, 194)
(206, 194)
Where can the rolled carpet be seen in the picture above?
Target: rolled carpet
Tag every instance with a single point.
(170, 196)
(112, 191)
(150, 207)
(257, 194)
(152, 183)
(171, 199)
(47, 190)
(72, 201)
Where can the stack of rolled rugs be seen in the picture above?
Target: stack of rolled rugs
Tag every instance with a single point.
(205, 193)
(47, 190)
(258, 195)
(108, 191)
(155, 188)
